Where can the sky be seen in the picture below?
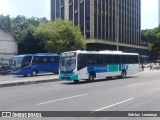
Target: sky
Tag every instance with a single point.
(41, 8)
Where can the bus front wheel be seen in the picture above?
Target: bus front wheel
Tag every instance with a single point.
(91, 77)
(34, 73)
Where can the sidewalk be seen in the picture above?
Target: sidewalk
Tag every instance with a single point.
(146, 70)
(7, 81)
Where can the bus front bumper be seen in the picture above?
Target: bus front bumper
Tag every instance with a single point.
(65, 77)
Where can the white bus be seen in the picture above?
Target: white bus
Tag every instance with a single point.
(90, 65)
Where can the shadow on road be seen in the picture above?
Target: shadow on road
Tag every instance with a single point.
(81, 82)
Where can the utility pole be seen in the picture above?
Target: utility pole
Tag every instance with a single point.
(117, 23)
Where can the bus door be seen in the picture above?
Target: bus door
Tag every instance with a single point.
(82, 66)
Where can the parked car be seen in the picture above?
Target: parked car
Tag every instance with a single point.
(5, 70)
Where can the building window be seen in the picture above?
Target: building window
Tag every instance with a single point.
(107, 13)
(99, 19)
(82, 15)
(103, 19)
(71, 10)
(62, 9)
(53, 9)
(75, 12)
(57, 8)
(95, 19)
(87, 12)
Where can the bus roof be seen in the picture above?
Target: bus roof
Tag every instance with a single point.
(103, 52)
(38, 54)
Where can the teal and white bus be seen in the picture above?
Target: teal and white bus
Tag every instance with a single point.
(90, 65)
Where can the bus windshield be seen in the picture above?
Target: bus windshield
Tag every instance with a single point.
(67, 63)
(19, 62)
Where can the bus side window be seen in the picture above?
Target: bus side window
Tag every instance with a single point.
(117, 59)
(45, 59)
(36, 60)
(123, 59)
(56, 59)
(51, 59)
(136, 59)
(109, 59)
(99, 59)
(26, 61)
(92, 59)
(82, 60)
(130, 59)
(42, 59)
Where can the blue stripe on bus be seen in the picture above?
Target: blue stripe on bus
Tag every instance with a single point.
(122, 66)
(97, 68)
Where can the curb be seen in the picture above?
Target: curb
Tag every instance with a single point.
(27, 82)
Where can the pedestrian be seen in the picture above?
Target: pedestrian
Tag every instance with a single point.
(142, 66)
(151, 66)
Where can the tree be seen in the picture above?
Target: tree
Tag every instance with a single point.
(152, 38)
(60, 36)
(23, 29)
(5, 23)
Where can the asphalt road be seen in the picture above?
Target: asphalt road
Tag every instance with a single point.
(140, 92)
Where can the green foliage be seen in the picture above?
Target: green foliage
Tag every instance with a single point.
(23, 29)
(36, 35)
(152, 38)
(150, 46)
(5, 23)
(60, 36)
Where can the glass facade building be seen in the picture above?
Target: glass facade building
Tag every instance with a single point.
(106, 24)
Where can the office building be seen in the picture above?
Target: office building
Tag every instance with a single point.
(158, 11)
(106, 24)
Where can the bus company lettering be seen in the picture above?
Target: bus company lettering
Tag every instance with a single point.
(22, 115)
(100, 68)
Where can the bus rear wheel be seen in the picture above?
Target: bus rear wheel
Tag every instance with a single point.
(123, 74)
(34, 73)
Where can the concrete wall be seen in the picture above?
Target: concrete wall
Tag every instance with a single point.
(8, 45)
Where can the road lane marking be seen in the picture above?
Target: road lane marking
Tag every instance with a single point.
(112, 105)
(62, 99)
(135, 84)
